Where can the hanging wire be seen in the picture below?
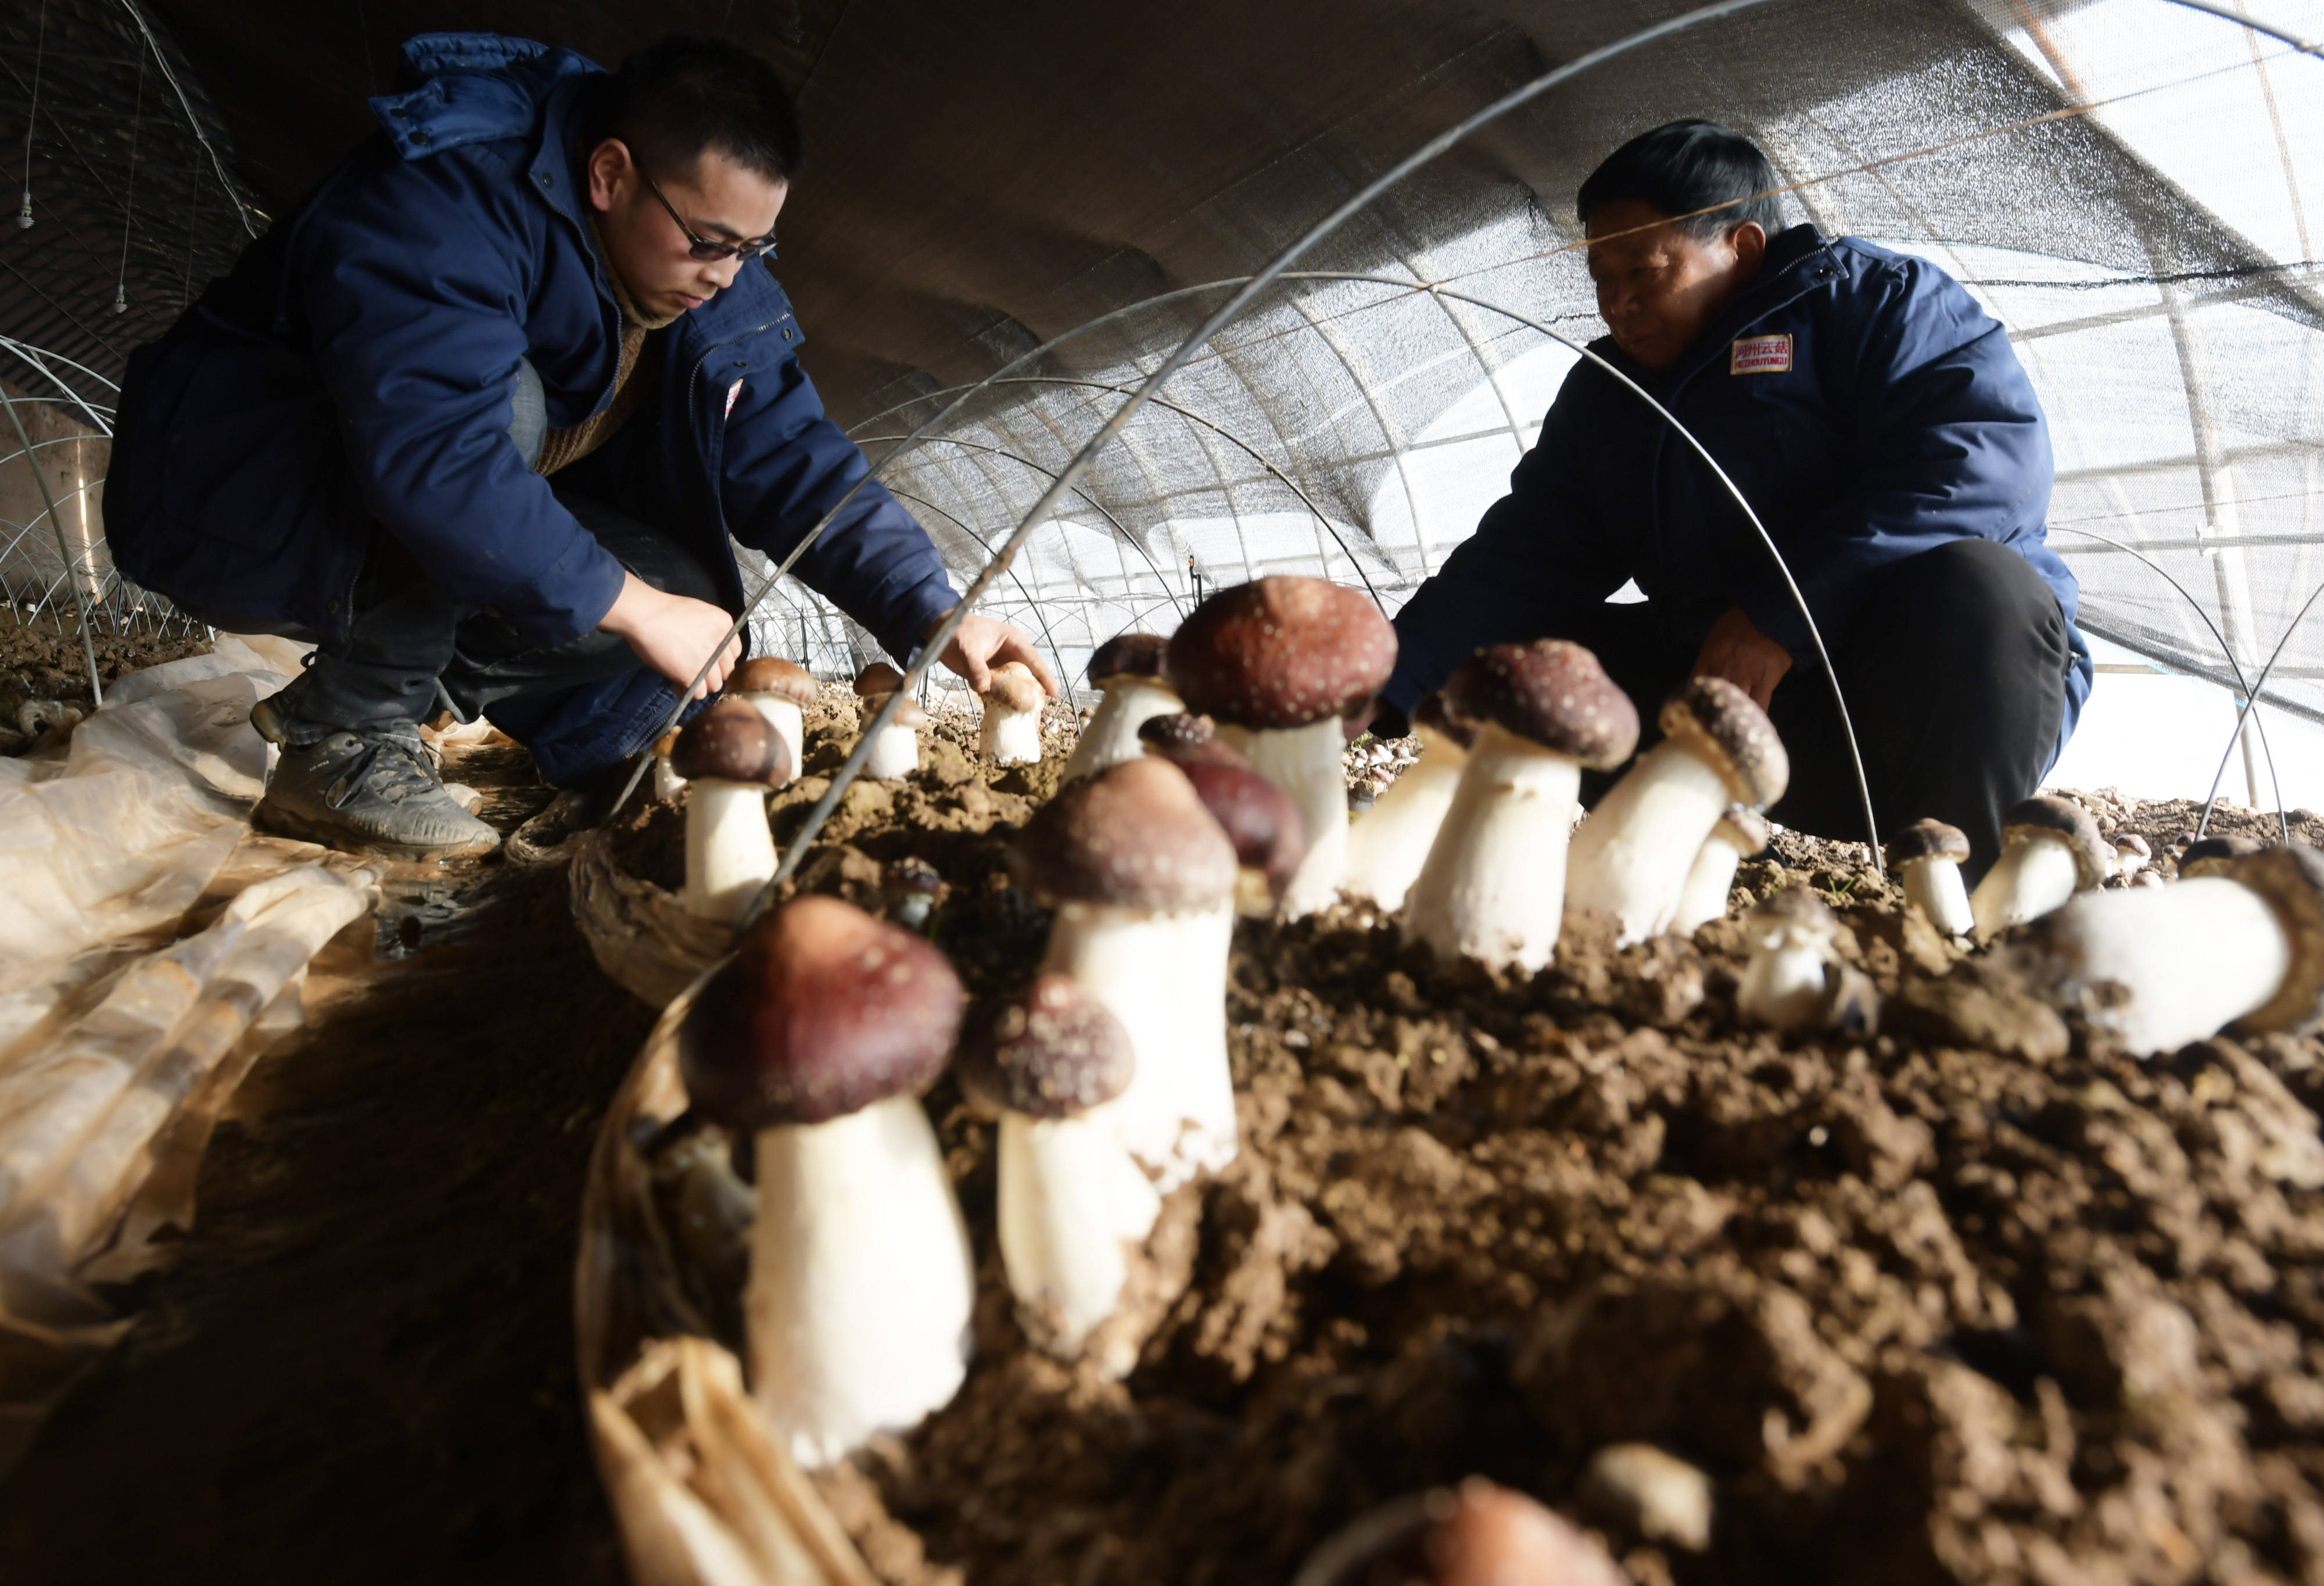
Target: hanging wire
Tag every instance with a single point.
(32, 117)
(193, 122)
(129, 194)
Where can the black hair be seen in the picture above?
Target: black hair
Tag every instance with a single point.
(1685, 169)
(681, 95)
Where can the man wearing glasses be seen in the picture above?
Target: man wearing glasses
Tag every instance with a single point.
(480, 417)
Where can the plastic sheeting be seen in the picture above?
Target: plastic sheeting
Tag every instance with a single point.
(150, 951)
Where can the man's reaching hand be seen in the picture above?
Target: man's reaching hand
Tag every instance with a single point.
(982, 643)
(674, 634)
(1738, 652)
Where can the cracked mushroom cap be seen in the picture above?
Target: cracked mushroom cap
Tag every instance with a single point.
(1743, 829)
(1928, 838)
(1134, 836)
(1269, 834)
(1281, 652)
(1551, 692)
(732, 742)
(2214, 855)
(771, 674)
(1131, 655)
(1430, 714)
(1726, 726)
(1051, 1052)
(878, 679)
(2063, 821)
(1014, 688)
(2291, 880)
(822, 1011)
(1183, 736)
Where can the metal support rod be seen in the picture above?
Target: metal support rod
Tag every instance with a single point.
(80, 596)
(2274, 656)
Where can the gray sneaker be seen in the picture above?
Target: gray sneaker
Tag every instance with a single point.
(271, 717)
(369, 795)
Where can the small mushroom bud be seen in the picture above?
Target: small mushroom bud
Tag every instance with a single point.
(2215, 854)
(2163, 966)
(1739, 833)
(780, 691)
(1631, 855)
(1011, 734)
(2049, 850)
(1478, 1535)
(1794, 979)
(1493, 885)
(1926, 857)
(816, 1038)
(1387, 847)
(1126, 668)
(731, 757)
(910, 889)
(1072, 1202)
(1278, 662)
(897, 750)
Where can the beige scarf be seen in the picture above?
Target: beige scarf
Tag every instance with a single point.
(562, 447)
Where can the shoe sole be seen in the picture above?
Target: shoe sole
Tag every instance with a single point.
(282, 824)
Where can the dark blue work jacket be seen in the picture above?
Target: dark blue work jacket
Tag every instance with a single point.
(356, 369)
(1861, 401)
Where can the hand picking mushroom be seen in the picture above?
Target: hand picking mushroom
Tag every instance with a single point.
(2049, 850)
(1794, 979)
(1143, 881)
(1276, 664)
(731, 757)
(897, 752)
(666, 784)
(818, 1037)
(1126, 668)
(2215, 854)
(2160, 967)
(780, 690)
(1631, 855)
(1493, 885)
(1477, 1534)
(1739, 833)
(1012, 735)
(1070, 1201)
(1927, 858)
(1258, 818)
(1387, 847)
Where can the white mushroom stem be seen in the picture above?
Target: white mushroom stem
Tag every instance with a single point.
(1111, 735)
(861, 1280)
(1072, 1206)
(1703, 896)
(1306, 763)
(1782, 985)
(1165, 977)
(896, 752)
(2183, 961)
(789, 724)
(1387, 847)
(730, 851)
(1493, 885)
(1935, 884)
(1631, 857)
(668, 784)
(1010, 737)
(2035, 874)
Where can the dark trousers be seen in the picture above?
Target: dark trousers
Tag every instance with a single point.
(406, 636)
(1954, 663)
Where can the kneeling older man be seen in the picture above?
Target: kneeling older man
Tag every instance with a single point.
(479, 418)
(1881, 427)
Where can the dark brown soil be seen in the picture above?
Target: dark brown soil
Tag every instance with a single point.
(39, 661)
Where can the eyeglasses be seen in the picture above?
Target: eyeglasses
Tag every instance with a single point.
(703, 248)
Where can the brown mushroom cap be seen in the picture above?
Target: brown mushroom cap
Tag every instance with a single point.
(1050, 1052)
(1132, 656)
(1928, 838)
(2048, 815)
(1477, 1534)
(1552, 692)
(1726, 726)
(2290, 879)
(732, 742)
(1744, 829)
(1136, 835)
(2214, 854)
(771, 674)
(1796, 905)
(2130, 842)
(877, 679)
(822, 1011)
(1014, 687)
(1183, 736)
(1430, 714)
(1281, 652)
(1269, 834)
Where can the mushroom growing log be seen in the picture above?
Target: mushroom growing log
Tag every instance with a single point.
(1277, 663)
(731, 757)
(1126, 670)
(816, 1038)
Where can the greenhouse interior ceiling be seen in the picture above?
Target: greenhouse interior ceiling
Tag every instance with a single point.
(1011, 217)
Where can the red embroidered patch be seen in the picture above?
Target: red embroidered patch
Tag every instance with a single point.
(1760, 355)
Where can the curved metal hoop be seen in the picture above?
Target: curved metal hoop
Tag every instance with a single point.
(1056, 654)
(2274, 656)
